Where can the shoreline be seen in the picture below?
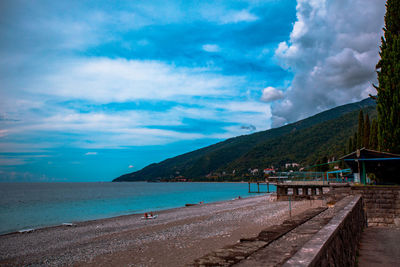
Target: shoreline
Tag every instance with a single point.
(175, 238)
(79, 222)
(115, 200)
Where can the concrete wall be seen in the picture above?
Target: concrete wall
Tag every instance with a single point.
(336, 243)
(382, 204)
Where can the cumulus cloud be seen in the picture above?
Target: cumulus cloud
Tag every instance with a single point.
(270, 94)
(332, 51)
(90, 153)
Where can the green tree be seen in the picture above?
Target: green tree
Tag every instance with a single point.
(355, 142)
(360, 132)
(325, 167)
(350, 145)
(367, 129)
(388, 69)
(373, 138)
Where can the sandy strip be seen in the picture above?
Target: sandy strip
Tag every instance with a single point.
(175, 238)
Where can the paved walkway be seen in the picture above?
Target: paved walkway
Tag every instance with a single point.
(380, 247)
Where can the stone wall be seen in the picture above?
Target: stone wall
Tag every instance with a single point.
(336, 243)
(382, 204)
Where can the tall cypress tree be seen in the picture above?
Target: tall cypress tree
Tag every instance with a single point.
(350, 145)
(367, 130)
(373, 137)
(355, 141)
(360, 132)
(388, 69)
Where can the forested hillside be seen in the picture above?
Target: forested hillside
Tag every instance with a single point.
(303, 142)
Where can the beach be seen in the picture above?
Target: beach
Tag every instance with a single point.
(175, 238)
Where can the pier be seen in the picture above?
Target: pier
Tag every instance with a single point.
(302, 185)
(297, 191)
(258, 187)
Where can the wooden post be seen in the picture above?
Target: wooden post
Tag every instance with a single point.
(268, 187)
(295, 191)
(249, 187)
(258, 187)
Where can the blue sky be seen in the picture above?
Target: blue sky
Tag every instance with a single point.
(90, 90)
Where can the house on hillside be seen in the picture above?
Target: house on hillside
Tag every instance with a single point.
(293, 165)
(269, 171)
(253, 171)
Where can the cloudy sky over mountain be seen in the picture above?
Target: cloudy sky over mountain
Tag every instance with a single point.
(93, 89)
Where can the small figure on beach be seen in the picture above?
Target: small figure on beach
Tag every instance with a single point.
(149, 215)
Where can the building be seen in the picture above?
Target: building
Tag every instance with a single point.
(385, 166)
(293, 165)
(269, 171)
(254, 171)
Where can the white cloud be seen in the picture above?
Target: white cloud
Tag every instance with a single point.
(270, 94)
(3, 133)
(51, 76)
(333, 50)
(241, 106)
(131, 166)
(107, 80)
(138, 127)
(211, 48)
(238, 16)
(90, 153)
(11, 161)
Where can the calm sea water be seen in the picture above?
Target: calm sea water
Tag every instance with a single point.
(33, 205)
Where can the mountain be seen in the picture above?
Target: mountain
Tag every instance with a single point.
(303, 142)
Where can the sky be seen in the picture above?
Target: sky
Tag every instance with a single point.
(91, 90)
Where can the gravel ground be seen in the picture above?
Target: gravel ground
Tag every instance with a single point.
(175, 238)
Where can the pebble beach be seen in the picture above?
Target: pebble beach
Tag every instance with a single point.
(175, 238)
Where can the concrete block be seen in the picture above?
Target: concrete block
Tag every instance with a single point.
(386, 206)
(375, 220)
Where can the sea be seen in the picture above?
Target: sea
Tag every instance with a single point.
(37, 205)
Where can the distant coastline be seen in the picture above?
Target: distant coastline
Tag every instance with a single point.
(290, 147)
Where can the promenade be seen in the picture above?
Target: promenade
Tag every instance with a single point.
(379, 246)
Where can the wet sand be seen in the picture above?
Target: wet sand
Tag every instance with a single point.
(175, 238)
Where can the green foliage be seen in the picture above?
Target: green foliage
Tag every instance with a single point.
(388, 69)
(366, 133)
(305, 147)
(374, 135)
(350, 147)
(354, 142)
(325, 166)
(360, 131)
(303, 142)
